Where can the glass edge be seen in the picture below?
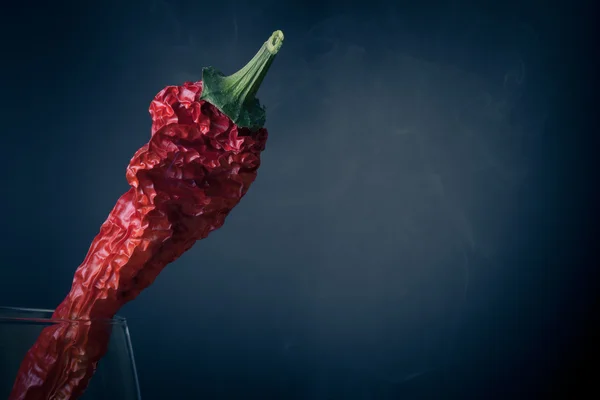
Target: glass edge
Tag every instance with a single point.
(133, 363)
(116, 320)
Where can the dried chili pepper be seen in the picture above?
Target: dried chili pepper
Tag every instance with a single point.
(202, 157)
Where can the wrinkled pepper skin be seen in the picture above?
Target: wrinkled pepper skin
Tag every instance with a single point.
(196, 167)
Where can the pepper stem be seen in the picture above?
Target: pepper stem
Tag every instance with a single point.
(235, 94)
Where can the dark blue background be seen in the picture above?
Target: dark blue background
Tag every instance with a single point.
(422, 225)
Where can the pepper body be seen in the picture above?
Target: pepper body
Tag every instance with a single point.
(196, 167)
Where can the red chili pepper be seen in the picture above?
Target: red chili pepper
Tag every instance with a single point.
(200, 161)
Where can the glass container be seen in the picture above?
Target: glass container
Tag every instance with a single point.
(115, 377)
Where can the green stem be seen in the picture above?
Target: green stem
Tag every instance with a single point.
(235, 95)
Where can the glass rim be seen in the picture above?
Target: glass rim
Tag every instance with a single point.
(116, 320)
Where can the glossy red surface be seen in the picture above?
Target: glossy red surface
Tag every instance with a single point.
(196, 167)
